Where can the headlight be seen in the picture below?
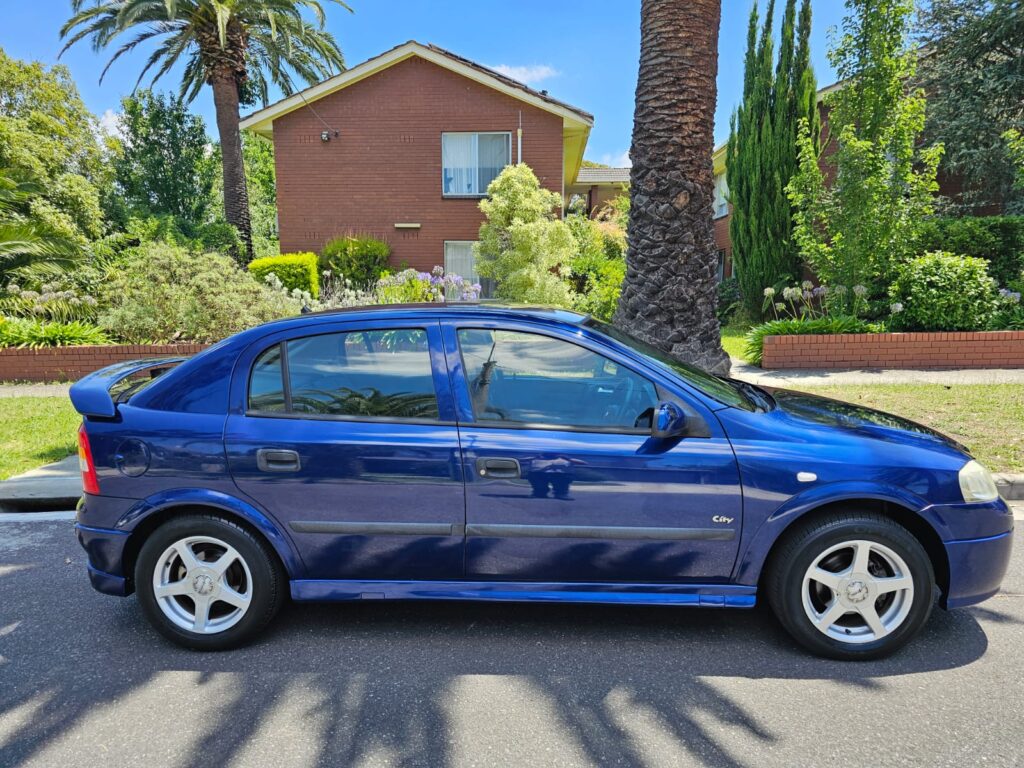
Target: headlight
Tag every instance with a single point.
(976, 483)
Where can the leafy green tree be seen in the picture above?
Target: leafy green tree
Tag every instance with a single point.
(762, 151)
(523, 245)
(237, 47)
(48, 136)
(856, 231)
(1015, 142)
(972, 69)
(163, 166)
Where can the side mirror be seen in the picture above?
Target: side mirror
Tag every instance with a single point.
(669, 421)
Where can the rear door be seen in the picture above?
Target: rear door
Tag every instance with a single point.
(563, 480)
(346, 435)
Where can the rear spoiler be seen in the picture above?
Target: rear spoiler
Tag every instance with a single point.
(92, 396)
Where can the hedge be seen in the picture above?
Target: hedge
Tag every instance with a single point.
(359, 259)
(294, 270)
(997, 239)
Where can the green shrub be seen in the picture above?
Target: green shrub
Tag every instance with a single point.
(218, 236)
(803, 327)
(359, 259)
(18, 332)
(162, 293)
(604, 284)
(997, 239)
(296, 271)
(729, 298)
(943, 292)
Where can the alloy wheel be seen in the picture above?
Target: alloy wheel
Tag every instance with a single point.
(202, 584)
(858, 591)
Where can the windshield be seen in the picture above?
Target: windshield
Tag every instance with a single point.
(727, 391)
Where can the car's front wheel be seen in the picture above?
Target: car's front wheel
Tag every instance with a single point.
(851, 586)
(207, 583)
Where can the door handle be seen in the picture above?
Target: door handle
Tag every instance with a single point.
(277, 460)
(499, 469)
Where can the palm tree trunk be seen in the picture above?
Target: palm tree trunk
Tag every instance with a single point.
(236, 195)
(669, 295)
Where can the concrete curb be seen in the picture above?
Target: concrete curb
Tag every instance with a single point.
(1011, 486)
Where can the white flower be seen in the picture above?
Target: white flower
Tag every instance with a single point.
(769, 292)
(860, 290)
(896, 308)
(807, 285)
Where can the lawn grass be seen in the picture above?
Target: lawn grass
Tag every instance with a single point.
(734, 340)
(35, 431)
(987, 418)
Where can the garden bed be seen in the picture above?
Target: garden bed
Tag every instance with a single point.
(982, 349)
(72, 363)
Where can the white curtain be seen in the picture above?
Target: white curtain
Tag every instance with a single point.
(494, 153)
(457, 155)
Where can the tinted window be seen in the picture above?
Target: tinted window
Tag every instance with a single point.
(526, 378)
(266, 390)
(364, 373)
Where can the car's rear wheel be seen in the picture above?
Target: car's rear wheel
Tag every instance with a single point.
(851, 586)
(207, 583)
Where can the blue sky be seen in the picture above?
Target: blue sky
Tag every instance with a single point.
(582, 53)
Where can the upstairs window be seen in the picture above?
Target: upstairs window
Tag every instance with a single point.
(721, 203)
(471, 161)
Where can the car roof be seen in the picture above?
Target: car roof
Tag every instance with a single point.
(440, 309)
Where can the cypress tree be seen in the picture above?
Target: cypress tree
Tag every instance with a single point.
(762, 156)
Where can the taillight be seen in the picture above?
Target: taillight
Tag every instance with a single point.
(90, 483)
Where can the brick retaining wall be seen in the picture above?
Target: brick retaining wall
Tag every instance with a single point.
(989, 349)
(72, 363)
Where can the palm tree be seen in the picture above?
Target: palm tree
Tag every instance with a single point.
(25, 250)
(668, 297)
(234, 46)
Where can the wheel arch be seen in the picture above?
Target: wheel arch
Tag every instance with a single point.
(147, 517)
(898, 512)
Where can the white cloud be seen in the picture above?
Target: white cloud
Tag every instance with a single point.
(620, 160)
(110, 123)
(530, 75)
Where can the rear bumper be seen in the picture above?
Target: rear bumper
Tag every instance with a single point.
(977, 568)
(104, 548)
(108, 583)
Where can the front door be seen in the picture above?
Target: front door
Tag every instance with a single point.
(564, 482)
(347, 437)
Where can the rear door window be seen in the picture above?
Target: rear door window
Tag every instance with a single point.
(359, 374)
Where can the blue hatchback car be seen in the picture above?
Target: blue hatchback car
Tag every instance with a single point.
(467, 452)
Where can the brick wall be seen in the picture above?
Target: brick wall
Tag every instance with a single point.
(995, 349)
(385, 166)
(72, 363)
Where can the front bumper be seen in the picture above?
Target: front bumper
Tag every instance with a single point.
(105, 549)
(976, 568)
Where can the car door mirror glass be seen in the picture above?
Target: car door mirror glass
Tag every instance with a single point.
(669, 421)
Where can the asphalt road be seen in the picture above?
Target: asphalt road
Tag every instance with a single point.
(84, 681)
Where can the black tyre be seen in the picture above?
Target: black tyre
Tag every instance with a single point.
(207, 583)
(851, 585)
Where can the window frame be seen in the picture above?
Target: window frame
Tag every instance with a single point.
(660, 392)
(472, 195)
(286, 384)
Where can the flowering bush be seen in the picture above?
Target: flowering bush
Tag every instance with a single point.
(942, 291)
(1009, 314)
(410, 286)
(294, 270)
(51, 302)
(357, 258)
(807, 301)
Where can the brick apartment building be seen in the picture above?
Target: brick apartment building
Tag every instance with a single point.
(402, 148)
